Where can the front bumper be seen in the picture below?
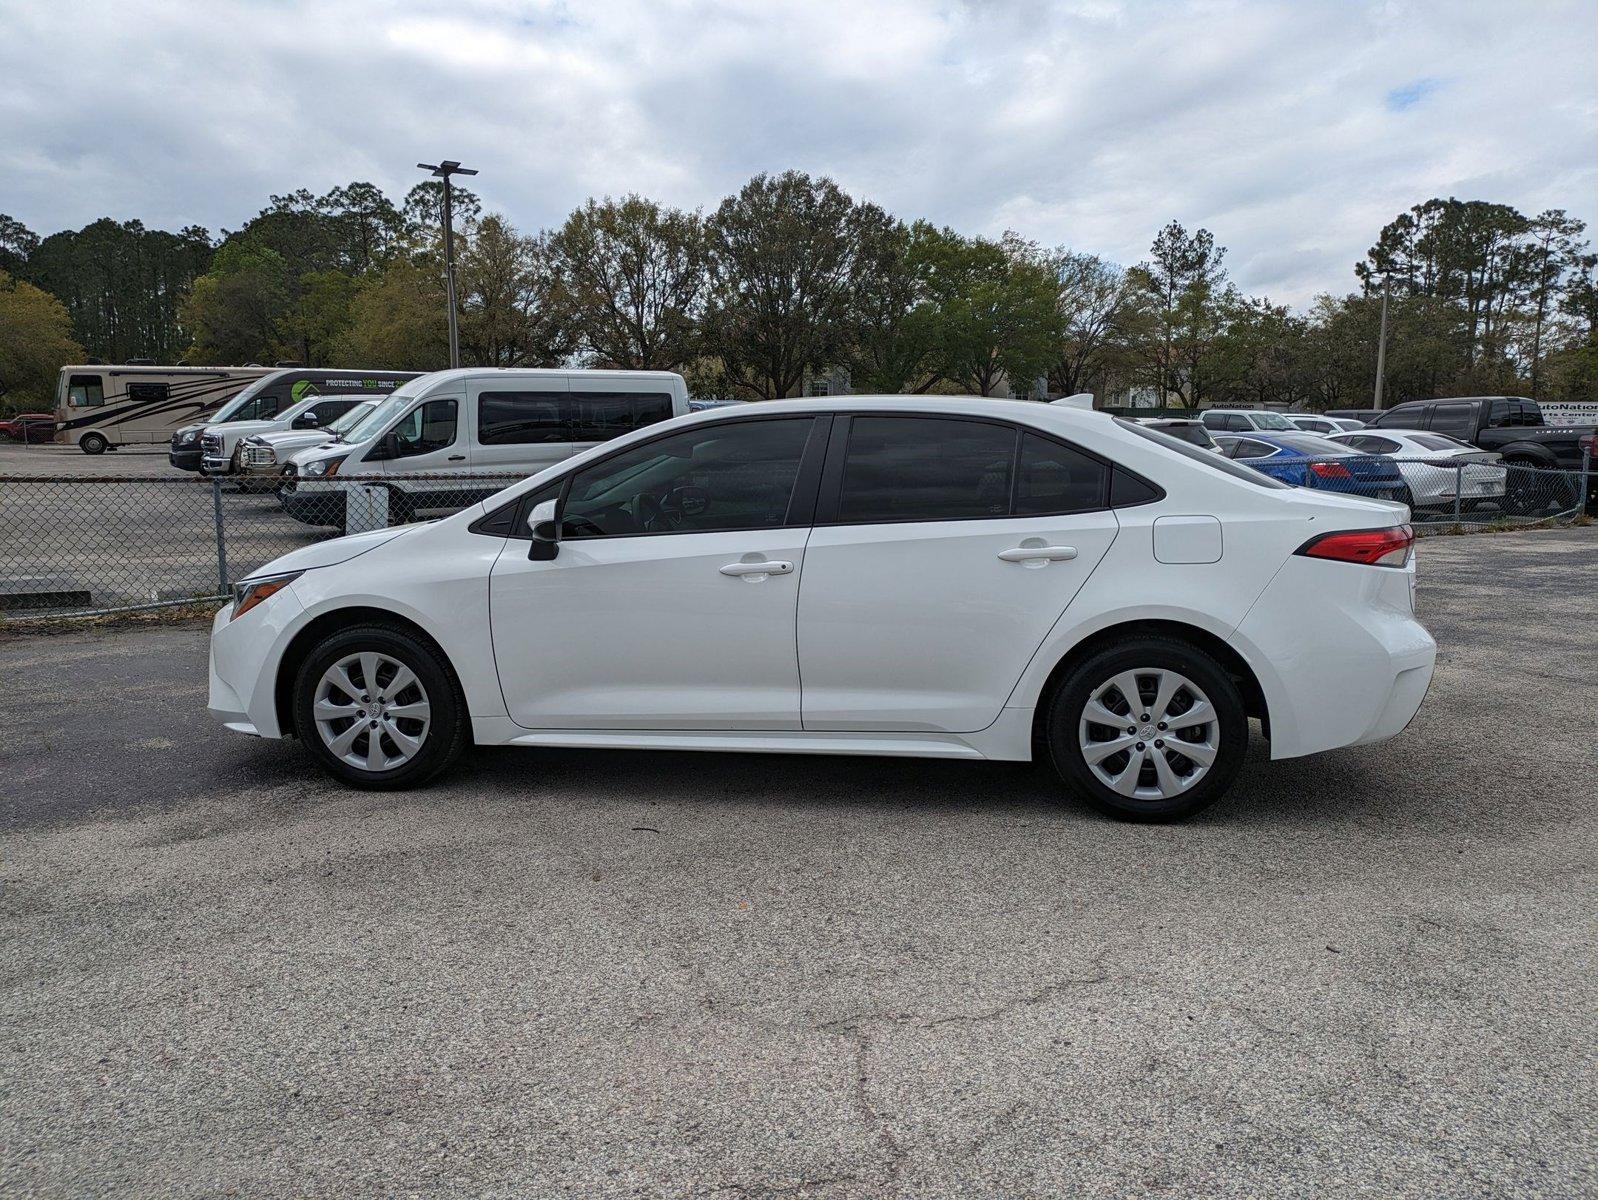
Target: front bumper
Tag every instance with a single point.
(216, 466)
(185, 459)
(313, 504)
(244, 660)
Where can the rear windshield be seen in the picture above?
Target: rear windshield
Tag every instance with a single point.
(1270, 420)
(1208, 457)
(1308, 443)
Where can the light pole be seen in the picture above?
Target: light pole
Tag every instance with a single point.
(443, 170)
(1381, 344)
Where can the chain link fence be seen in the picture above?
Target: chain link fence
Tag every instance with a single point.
(77, 545)
(72, 545)
(1452, 491)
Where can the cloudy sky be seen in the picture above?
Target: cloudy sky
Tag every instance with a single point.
(1293, 130)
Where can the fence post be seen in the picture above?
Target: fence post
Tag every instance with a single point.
(1459, 489)
(221, 536)
(1586, 476)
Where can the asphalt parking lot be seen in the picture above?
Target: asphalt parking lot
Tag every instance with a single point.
(617, 974)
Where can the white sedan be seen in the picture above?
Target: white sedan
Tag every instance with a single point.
(958, 578)
(1439, 471)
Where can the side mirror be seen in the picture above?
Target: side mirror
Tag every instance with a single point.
(546, 532)
(306, 420)
(387, 447)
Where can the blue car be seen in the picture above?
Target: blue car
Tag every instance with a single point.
(1305, 460)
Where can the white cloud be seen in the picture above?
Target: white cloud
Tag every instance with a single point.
(1292, 130)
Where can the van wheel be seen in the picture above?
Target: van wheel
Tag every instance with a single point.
(93, 443)
(1152, 729)
(379, 707)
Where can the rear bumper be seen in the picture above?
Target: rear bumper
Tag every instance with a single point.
(1338, 653)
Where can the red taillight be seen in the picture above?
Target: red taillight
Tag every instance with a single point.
(1373, 547)
(1330, 470)
(1589, 444)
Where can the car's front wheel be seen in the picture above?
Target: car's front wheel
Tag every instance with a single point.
(380, 707)
(1152, 729)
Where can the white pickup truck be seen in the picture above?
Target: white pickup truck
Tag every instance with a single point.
(262, 457)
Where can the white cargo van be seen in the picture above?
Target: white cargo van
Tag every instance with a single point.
(435, 436)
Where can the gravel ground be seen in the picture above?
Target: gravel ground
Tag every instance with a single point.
(1368, 973)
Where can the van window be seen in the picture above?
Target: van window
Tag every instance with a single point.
(925, 469)
(146, 393)
(85, 391)
(522, 418)
(600, 416)
(427, 427)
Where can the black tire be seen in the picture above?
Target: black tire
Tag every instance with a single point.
(1148, 653)
(93, 443)
(446, 734)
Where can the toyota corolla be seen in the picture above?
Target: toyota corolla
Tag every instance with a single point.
(949, 578)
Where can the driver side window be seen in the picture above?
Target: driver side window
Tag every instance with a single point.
(427, 427)
(732, 475)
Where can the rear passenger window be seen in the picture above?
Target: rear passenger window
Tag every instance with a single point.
(926, 469)
(523, 418)
(147, 393)
(1456, 420)
(1058, 479)
(600, 416)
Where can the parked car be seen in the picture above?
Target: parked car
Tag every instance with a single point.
(29, 427)
(1437, 469)
(1242, 420)
(1362, 415)
(1513, 427)
(1322, 424)
(1192, 431)
(262, 456)
(1305, 460)
(851, 575)
(436, 432)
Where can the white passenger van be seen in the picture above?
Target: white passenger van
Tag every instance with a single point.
(100, 407)
(435, 434)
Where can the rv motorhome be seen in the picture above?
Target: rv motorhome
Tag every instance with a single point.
(100, 407)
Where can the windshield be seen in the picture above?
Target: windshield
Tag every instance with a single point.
(385, 411)
(1208, 457)
(1270, 420)
(351, 419)
(248, 405)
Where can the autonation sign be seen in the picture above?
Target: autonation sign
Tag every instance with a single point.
(1569, 412)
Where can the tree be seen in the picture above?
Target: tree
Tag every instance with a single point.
(891, 343)
(782, 254)
(315, 328)
(1093, 301)
(1555, 251)
(234, 310)
(17, 243)
(423, 211)
(35, 343)
(507, 318)
(1182, 291)
(123, 285)
(397, 319)
(367, 226)
(994, 310)
(632, 278)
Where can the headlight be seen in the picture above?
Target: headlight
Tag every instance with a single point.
(323, 466)
(251, 592)
(189, 438)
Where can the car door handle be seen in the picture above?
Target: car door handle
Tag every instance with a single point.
(765, 567)
(1023, 554)
(457, 458)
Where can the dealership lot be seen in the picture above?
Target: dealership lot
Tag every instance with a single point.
(564, 973)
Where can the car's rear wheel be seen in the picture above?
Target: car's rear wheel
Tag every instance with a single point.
(1152, 729)
(379, 707)
(93, 443)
